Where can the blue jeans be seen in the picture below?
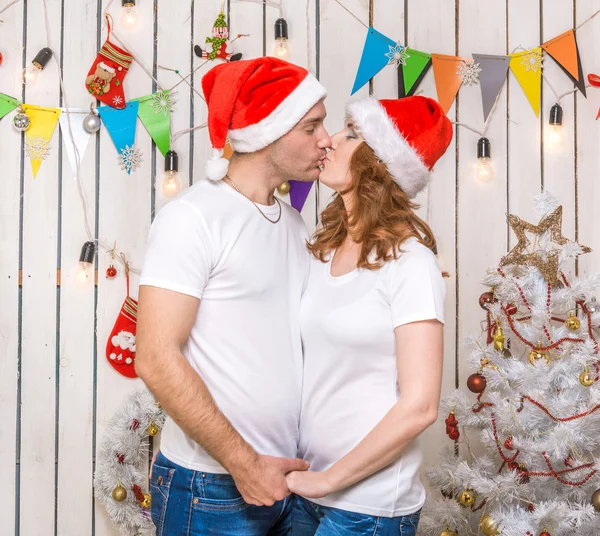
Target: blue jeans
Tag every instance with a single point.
(193, 503)
(310, 519)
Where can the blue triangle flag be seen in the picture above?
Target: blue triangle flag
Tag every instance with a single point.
(373, 57)
(121, 125)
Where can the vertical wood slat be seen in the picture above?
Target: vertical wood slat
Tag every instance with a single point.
(10, 203)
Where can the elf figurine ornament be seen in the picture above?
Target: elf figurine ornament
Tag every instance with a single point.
(219, 43)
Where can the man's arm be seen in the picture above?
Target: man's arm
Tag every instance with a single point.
(165, 320)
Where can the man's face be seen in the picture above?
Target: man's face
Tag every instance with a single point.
(298, 154)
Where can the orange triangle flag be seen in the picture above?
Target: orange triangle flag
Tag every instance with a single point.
(563, 49)
(447, 80)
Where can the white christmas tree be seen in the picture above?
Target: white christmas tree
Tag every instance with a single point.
(535, 401)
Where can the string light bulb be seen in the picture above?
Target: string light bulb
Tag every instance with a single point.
(171, 184)
(30, 74)
(280, 49)
(86, 259)
(129, 17)
(554, 134)
(484, 169)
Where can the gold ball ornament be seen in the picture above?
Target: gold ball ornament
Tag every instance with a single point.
(499, 339)
(536, 354)
(467, 498)
(119, 494)
(488, 527)
(448, 532)
(596, 500)
(572, 323)
(585, 378)
(284, 188)
(152, 429)
(147, 502)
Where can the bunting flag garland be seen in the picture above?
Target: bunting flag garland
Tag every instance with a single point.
(527, 68)
(121, 125)
(298, 193)
(374, 57)
(80, 139)
(412, 72)
(155, 114)
(7, 104)
(447, 79)
(38, 135)
(564, 51)
(491, 78)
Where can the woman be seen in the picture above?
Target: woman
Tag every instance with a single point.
(371, 322)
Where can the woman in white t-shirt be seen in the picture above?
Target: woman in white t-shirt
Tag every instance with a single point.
(371, 321)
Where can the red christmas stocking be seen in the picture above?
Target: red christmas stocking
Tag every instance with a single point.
(120, 348)
(105, 79)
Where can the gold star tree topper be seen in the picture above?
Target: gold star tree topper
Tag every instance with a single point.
(545, 260)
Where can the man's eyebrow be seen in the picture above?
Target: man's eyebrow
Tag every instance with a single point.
(312, 120)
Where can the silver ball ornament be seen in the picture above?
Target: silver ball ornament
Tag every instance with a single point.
(592, 306)
(91, 123)
(21, 122)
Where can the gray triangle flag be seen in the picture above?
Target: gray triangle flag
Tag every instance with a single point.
(491, 78)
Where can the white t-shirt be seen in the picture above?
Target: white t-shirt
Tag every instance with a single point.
(249, 274)
(350, 374)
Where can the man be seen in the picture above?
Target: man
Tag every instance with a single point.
(218, 338)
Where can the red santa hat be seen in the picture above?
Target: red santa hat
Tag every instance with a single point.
(409, 135)
(254, 103)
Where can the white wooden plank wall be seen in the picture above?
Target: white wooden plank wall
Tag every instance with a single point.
(57, 392)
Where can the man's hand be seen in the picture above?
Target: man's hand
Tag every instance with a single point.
(262, 482)
(313, 485)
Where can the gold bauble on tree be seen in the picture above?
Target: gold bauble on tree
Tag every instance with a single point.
(448, 532)
(499, 339)
(537, 353)
(119, 494)
(488, 527)
(284, 188)
(572, 323)
(152, 429)
(467, 498)
(596, 500)
(147, 502)
(585, 378)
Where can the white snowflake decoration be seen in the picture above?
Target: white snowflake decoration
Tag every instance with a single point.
(532, 62)
(162, 102)
(397, 55)
(117, 100)
(37, 147)
(468, 72)
(130, 158)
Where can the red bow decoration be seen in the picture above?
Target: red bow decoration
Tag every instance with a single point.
(594, 80)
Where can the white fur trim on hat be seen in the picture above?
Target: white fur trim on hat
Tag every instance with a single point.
(106, 67)
(389, 145)
(281, 120)
(217, 166)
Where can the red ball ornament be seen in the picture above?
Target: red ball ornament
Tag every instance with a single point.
(111, 272)
(485, 299)
(511, 309)
(513, 466)
(545, 533)
(476, 383)
(530, 508)
(508, 444)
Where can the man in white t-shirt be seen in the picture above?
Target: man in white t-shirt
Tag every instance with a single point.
(218, 336)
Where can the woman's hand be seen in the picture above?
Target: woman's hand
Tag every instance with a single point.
(310, 484)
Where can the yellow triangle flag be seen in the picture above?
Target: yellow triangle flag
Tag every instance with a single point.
(43, 122)
(527, 68)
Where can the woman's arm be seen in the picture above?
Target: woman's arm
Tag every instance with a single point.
(419, 354)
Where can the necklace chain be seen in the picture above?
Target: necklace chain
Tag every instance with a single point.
(257, 207)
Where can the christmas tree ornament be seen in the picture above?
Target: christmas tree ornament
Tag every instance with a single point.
(585, 378)
(284, 188)
(530, 508)
(572, 323)
(220, 36)
(522, 474)
(105, 77)
(111, 272)
(452, 426)
(129, 17)
(476, 383)
(152, 429)
(120, 347)
(468, 72)
(545, 533)
(508, 444)
(545, 261)
(467, 498)
(280, 48)
(499, 339)
(591, 305)
(92, 122)
(487, 526)
(21, 121)
(448, 532)
(147, 501)
(596, 500)
(31, 73)
(513, 466)
(486, 299)
(171, 184)
(1, 58)
(484, 170)
(119, 494)
(536, 354)
(511, 309)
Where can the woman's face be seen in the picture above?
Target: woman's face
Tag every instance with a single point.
(336, 166)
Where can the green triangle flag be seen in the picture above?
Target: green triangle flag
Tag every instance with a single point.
(155, 114)
(412, 72)
(7, 104)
